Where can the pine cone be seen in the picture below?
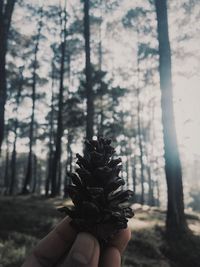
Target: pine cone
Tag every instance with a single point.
(101, 207)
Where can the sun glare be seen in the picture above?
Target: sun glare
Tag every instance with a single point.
(187, 110)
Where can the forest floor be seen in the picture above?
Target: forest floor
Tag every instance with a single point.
(25, 220)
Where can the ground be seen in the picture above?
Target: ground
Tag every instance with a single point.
(25, 220)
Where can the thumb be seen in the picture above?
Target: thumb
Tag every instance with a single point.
(84, 252)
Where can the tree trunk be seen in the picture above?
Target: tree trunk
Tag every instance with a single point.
(28, 177)
(176, 221)
(59, 133)
(139, 125)
(150, 193)
(2, 89)
(14, 153)
(34, 174)
(100, 59)
(158, 192)
(133, 163)
(48, 175)
(6, 11)
(39, 179)
(6, 172)
(89, 91)
(13, 166)
(48, 178)
(127, 169)
(59, 178)
(141, 152)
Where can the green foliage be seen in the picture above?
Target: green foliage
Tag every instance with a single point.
(130, 20)
(14, 250)
(73, 113)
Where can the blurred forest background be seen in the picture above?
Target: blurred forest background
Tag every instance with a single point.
(128, 70)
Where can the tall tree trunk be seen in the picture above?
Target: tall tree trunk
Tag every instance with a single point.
(158, 192)
(59, 133)
(13, 165)
(139, 124)
(6, 11)
(176, 221)
(100, 58)
(39, 179)
(59, 178)
(28, 177)
(69, 152)
(6, 172)
(141, 151)
(48, 174)
(88, 74)
(149, 154)
(51, 137)
(34, 174)
(150, 193)
(68, 163)
(14, 152)
(127, 169)
(133, 163)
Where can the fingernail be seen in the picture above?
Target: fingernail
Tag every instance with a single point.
(82, 249)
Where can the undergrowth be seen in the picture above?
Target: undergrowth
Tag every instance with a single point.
(25, 220)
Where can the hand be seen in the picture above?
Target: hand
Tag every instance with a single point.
(63, 247)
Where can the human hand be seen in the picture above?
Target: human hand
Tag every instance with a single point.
(63, 247)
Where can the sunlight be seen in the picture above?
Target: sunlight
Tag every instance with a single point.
(187, 110)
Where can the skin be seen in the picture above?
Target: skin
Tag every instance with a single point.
(63, 247)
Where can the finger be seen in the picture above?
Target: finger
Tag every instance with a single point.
(31, 262)
(84, 252)
(55, 244)
(121, 240)
(111, 258)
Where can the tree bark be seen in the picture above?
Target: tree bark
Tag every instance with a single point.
(139, 125)
(127, 169)
(158, 192)
(89, 91)
(6, 11)
(141, 151)
(34, 174)
(150, 192)
(176, 221)
(6, 172)
(133, 163)
(100, 58)
(16, 124)
(59, 133)
(59, 178)
(48, 178)
(28, 177)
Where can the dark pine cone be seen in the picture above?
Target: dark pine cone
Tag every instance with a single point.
(101, 207)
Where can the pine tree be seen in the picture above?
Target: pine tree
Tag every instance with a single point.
(6, 11)
(88, 73)
(28, 177)
(176, 221)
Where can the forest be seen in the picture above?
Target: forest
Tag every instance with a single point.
(78, 70)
